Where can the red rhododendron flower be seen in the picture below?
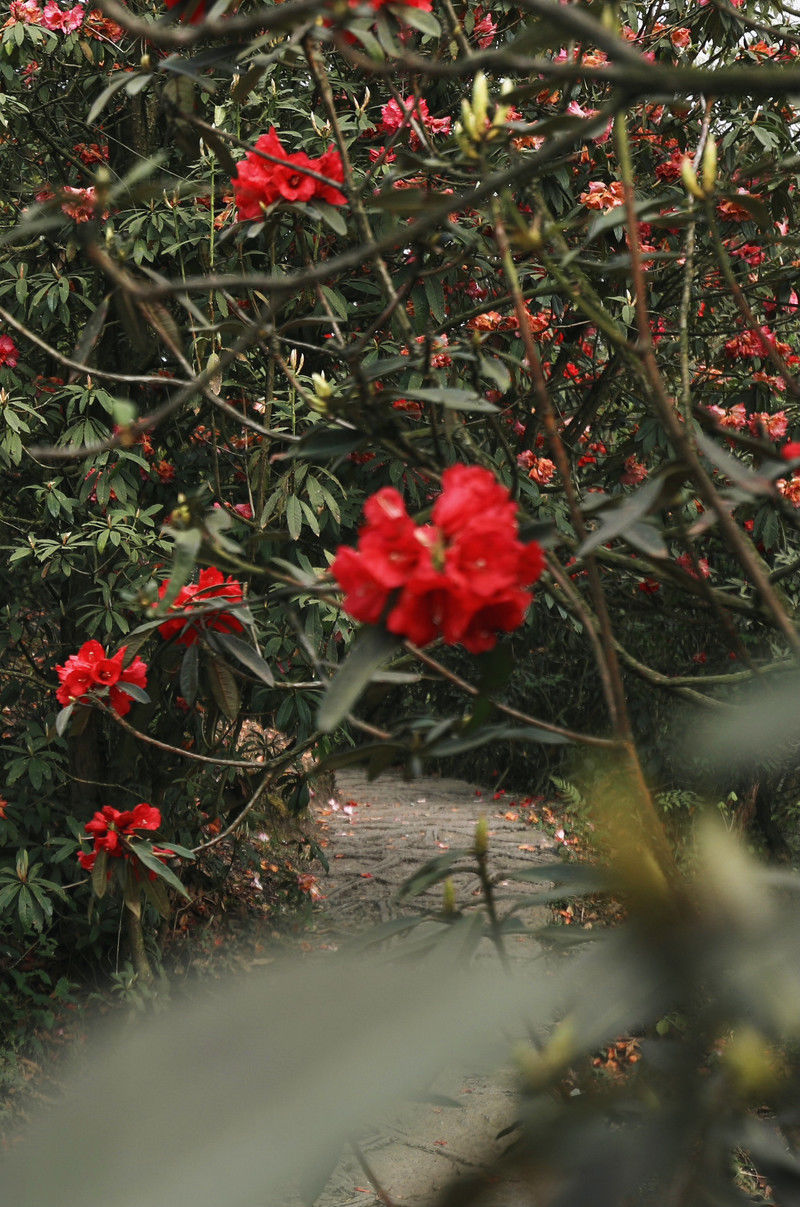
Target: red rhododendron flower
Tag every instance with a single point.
(461, 578)
(9, 354)
(90, 670)
(110, 828)
(211, 585)
(791, 450)
(260, 182)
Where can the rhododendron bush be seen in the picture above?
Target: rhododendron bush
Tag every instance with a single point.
(327, 333)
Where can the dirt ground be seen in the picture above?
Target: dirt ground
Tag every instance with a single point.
(377, 835)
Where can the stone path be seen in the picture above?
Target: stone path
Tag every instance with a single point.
(378, 834)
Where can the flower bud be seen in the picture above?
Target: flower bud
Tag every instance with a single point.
(322, 387)
(468, 119)
(481, 845)
(449, 898)
(689, 178)
(710, 164)
(480, 100)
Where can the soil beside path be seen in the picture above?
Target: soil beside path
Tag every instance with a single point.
(377, 834)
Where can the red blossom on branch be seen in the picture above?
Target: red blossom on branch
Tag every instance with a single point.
(260, 182)
(461, 578)
(211, 585)
(91, 670)
(9, 354)
(111, 829)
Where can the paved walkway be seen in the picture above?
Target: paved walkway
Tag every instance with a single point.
(378, 834)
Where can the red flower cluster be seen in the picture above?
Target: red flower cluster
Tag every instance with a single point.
(460, 578)
(90, 670)
(211, 585)
(260, 182)
(9, 353)
(110, 827)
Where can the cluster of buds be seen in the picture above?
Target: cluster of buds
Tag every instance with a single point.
(475, 126)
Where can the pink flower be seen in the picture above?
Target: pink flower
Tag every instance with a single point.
(65, 20)
(393, 115)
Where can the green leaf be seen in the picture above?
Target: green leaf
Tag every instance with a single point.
(105, 96)
(435, 295)
(156, 894)
(496, 371)
(184, 558)
(732, 467)
(452, 398)
(433, 871)
(645, 536)
(425, 22)
(7, 894)
(294, 516)
(332, 215)
(245, 654)
(144, 853)
(371, 649)
(189, 673)
(63, 719)
(184, 852)
(133, 690)
(495, 733)
(132, 893)
(624, 510)
(92, 330)
(574, 876)
(324, 443)
(223, 688)
(99, 876)
(246, 83)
